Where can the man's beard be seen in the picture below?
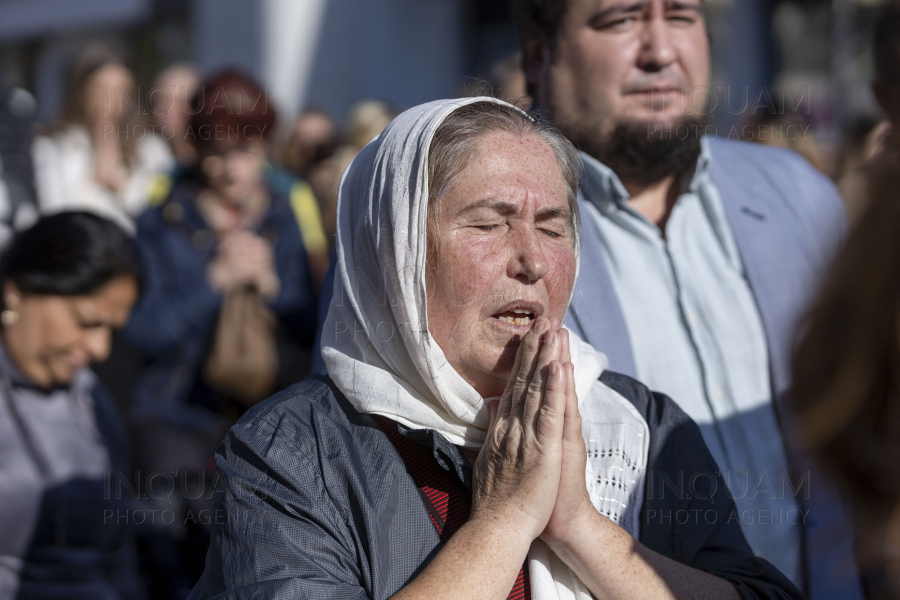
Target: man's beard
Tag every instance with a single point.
(643, 153)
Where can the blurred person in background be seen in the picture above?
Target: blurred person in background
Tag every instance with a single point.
(846, 389)
(229, 312)
(864, 139)
(699, 254)
(788, 131)
(98, 156)
(365, 120)
(67, 282)
(306, 173)
(18, 206)
(309, 150)
(857, 186)
(508, 80)
(170, 104)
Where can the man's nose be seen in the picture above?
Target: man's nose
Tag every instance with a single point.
(657, 50)
(529, 261)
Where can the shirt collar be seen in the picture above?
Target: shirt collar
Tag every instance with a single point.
(601, 186)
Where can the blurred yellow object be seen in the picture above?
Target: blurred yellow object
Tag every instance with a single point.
(306, 211)
(159, 189)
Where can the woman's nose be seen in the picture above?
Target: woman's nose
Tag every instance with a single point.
(97, 343)
(529, 261)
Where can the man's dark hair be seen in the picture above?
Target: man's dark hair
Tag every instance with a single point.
(538, 18)
(886, 43)
(541, 16)
(70, 254)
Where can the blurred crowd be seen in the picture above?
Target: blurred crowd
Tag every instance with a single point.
(233, 226)
(182, 249)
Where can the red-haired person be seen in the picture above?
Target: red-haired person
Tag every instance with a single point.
(224, 247)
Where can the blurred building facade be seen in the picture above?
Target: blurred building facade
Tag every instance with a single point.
(326, 53)
(331, 53)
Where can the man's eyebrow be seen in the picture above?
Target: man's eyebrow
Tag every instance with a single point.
(634, 7)
(622, 7)
(692, 6)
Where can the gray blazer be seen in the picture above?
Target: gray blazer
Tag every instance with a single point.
(787, 220)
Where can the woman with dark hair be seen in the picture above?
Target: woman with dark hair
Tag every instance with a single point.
(67, 282)
(98, 156)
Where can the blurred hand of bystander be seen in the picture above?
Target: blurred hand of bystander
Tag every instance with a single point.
(244, 259)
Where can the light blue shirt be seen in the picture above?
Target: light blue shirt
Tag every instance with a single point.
(698, 337)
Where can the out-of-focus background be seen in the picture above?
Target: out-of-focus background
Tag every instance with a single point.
(331, 53)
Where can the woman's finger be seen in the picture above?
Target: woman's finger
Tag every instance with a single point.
(565, 355)
(523, 371)
(505, 404)
(492, 406)
(549, 419)
(550, 351)
(572, 428)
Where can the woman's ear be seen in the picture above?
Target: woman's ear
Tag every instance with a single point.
(10, 289)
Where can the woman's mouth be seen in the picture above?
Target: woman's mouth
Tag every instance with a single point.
(516, 317)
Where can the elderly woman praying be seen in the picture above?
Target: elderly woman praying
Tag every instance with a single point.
(464, 444)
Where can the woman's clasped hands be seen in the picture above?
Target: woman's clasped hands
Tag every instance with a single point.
(530, 473)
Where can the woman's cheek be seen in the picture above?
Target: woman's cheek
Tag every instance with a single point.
(561, 275)
(471, 270)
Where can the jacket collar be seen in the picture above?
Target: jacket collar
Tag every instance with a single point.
(448, 456)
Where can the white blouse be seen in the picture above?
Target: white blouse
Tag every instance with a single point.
(64, 169)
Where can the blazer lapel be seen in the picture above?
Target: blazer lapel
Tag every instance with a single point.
(776, 262)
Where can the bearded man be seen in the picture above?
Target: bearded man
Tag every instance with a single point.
(699, 256)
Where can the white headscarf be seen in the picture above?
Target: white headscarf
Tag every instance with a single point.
(379, 353)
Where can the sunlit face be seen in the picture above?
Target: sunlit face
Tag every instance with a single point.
(56, 335)
(108, 93)
(500, 254)
(312, 133)
(235, 175)
(620, 61)
(171, 100)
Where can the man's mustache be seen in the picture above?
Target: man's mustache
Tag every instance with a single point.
(649, 83)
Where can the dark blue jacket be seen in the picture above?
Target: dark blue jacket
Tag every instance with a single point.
(81, 545)
(317, 503)
(174, 322)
